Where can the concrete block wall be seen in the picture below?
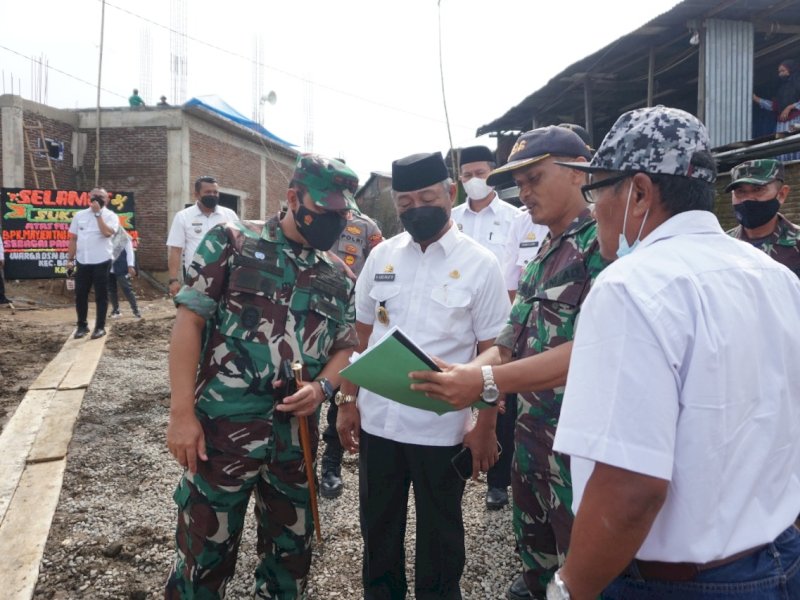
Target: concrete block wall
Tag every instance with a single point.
(57, 131)
(134, 159)
(233, 167)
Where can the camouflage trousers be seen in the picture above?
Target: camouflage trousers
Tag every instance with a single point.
(244, 457)
(542, 503)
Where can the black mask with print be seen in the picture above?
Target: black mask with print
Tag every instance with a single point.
(321, 230)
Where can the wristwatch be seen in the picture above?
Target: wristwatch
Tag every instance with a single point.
(327, 388)
(557, 589)
(490, 392)
(341, 398)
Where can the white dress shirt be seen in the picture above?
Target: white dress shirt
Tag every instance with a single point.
(488, 227)
(446, 299)
(191, 224)
(685, 368)
(92, 247)
(525, 239)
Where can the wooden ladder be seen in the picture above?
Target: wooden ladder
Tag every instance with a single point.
(34, 151)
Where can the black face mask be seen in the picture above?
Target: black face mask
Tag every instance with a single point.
(100, 200)
(755, 213)
(424, 222)
(321, 230)
(209, 201)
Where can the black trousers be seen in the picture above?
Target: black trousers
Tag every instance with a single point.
(333, 446)
(499, 476)
(386, 470)
(124, 282)
(86, 277)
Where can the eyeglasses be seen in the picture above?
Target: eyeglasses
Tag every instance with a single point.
(589, 190)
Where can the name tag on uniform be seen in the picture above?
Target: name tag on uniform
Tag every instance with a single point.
(529, 244)
(384, 276)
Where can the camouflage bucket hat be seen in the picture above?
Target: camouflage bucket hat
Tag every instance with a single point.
(657, 140)
(757, 172)
(330, 183)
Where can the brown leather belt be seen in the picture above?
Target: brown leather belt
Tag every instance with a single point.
(669, 571)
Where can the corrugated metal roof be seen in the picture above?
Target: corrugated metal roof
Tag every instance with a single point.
(619, 70)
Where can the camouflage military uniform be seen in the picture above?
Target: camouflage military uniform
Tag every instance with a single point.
(783, 245)
(551, 291)
(266, 300)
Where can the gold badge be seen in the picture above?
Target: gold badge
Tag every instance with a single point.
(388, 269)
(530, 236)
(350, 249)
(455, 274)
(353, 229)
(383, 314)
(350, 260)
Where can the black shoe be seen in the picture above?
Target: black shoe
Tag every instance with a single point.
(81, 331)
(98, 333)
(496, 498)
(331, 485)
(518, 590)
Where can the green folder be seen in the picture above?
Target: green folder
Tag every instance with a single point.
(384, 368)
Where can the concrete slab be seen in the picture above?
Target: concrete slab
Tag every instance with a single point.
(24, 532)
(56, 429)
(84, 362)
(17, 440)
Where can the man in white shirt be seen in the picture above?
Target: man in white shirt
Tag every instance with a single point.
(484, 216)
(487, 219)
(446, 292)
(90, 251)
(681, 412)
(191, 224)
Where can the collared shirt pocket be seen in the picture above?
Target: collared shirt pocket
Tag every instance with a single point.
(449, 307)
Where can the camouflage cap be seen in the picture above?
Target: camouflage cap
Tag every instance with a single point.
(658, 140)
(330, 183)
(757, 172)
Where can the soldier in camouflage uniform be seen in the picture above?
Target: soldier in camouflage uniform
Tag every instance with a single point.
(359, 237)
(257, 294)
(536, 344)
(758, 190)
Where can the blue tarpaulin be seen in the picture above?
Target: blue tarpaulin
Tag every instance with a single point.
(218, 105)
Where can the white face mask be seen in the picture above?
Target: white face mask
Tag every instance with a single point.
(624, 248)
(477, 189)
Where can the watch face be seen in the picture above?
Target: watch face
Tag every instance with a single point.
(490, 395)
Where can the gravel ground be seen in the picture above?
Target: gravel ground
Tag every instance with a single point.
(112, 532)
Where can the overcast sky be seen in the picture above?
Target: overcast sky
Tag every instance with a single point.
(359, 79)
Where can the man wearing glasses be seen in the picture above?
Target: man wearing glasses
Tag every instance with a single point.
(531, 354)
(758, 190)
(681, 409)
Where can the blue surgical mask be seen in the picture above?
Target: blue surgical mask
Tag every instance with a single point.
(624, 248)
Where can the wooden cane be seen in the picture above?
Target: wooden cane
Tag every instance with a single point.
(305, 444)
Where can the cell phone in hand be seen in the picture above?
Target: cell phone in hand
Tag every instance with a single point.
(462, 463)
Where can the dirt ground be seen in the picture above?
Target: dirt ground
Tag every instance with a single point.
(112, 533)
(35, 332)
